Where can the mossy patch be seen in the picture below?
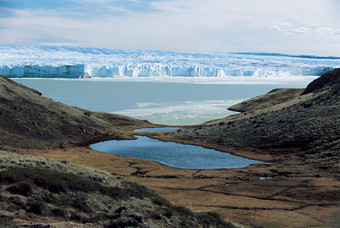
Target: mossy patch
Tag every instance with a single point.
(47, 192)
(49, 179)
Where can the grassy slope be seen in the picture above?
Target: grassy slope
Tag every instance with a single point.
(38, 192)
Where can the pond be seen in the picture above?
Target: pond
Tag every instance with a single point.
(172, 154)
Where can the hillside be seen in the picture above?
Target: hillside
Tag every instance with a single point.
(284, 122)
(39, 192)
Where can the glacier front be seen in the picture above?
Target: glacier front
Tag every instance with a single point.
(76, 62)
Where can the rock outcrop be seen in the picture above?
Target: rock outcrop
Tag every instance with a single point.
(330, 79)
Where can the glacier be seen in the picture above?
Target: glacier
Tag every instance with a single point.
(78, 62)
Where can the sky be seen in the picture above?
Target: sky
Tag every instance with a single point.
(309, 27)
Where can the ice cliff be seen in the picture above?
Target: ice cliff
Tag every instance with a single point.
(72, 62)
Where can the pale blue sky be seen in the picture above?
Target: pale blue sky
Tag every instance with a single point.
(287, 26)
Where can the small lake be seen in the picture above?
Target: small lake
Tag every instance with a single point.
(172, 154)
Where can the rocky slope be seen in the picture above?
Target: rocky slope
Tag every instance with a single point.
(273, 97)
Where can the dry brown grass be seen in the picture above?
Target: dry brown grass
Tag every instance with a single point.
(8, 159)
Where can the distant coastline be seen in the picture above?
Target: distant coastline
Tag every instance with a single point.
(285, 55)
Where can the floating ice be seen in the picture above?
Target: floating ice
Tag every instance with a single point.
(73, 62)
(181, 113)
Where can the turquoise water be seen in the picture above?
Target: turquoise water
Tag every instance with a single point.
(183, 102)
(172, 154)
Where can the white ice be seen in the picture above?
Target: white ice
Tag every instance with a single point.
(73, 62)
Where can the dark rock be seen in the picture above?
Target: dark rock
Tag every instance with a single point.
(329, 79)
(5, 220)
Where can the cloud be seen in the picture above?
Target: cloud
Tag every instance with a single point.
(190, 25)
(289, 28)
(60, 44)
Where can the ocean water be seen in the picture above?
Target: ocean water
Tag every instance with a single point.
(184, 101)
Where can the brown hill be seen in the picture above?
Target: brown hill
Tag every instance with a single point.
(281, 123)
(273, 97)
(330, 79)
(29, 120)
